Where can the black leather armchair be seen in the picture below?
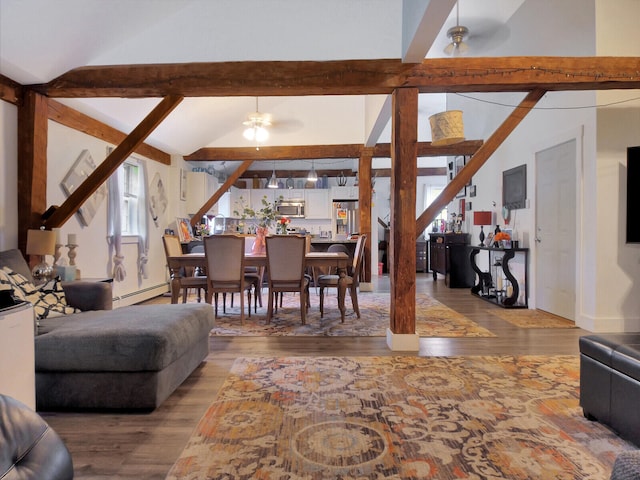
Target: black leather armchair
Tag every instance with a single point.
(29, 448)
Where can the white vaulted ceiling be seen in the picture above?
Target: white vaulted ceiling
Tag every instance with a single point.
(42, 39)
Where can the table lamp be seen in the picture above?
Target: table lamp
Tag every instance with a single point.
(482, 218)
(41, 243)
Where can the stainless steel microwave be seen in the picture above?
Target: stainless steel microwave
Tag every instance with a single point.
(290, 208)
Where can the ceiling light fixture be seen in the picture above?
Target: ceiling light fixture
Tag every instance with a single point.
(273, 181)
(256, 124)
(457, 46)
(312, 176)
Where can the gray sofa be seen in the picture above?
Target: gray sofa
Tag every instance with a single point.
(128, 358)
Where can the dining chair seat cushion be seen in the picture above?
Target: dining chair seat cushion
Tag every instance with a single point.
(289, 285)
(332, 280)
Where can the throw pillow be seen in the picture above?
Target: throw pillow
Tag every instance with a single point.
(48, 300)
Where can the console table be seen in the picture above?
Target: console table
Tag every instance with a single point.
(504, 280)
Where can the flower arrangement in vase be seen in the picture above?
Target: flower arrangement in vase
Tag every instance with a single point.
(264, 218)
(502, 239)
(282, 225)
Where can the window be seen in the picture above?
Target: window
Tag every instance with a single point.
(130, 188)
(431, 193)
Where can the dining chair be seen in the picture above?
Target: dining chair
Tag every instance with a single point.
(285, 264)
(188, 277)
(224, 256)
(352, 278)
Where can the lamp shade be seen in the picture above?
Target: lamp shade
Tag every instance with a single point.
(446, 128)
(41, 242)
(482, 218)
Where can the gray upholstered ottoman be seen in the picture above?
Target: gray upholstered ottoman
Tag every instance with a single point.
(128, 358)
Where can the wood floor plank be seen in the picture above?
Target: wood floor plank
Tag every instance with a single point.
(144, 446)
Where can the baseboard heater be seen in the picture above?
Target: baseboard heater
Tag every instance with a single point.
(159, 289)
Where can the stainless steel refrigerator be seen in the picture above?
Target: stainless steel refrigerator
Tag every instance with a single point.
(345, 218)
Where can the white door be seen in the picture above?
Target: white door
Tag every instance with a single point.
(556, 229)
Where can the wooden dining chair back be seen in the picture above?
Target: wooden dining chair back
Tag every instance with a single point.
(188, 277)
(352, 279)
(224, 256)
(285, 265)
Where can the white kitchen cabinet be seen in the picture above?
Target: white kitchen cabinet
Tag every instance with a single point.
(231, 201)
(344, 193)
(317, 204)
(17, 358)
(257, 194)
(292, 193)
(200, 188)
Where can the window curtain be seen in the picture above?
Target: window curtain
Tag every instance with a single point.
(143, 221)
(114, 226)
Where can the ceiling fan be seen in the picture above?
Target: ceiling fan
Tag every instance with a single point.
(457, 34)
(257, 124)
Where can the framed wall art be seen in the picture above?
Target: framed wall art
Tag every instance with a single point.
(78, 173)
(183, 225)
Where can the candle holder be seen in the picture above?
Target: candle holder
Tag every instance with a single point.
(57, 254)
(72, 253)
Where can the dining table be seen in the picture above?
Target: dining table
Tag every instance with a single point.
(337, 260)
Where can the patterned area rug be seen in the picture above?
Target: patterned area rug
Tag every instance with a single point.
(433, 319)
(499, 417)
(525, 318)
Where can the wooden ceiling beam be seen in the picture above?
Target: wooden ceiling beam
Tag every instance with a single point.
(72, 118)
(347, 77)
(10, 91)
(347, 172)
(113, 161)
(314, 152)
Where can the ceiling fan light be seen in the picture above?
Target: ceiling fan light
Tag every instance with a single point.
(457, 46)
(261, 134)
(249, 133)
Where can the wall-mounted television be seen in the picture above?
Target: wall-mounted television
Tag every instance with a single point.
(514, 187)
(633, 199)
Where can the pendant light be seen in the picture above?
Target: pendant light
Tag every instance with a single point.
(312, 176)
(273, 181)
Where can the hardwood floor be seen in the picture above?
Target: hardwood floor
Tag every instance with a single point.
(144, 446)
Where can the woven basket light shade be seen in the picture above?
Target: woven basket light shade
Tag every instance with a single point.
(446, 128)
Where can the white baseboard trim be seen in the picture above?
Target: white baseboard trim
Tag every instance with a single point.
(403, 342)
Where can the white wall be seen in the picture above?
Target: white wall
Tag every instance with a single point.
(615, 303)
(606, 268)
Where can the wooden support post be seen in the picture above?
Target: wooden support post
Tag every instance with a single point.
(402, 247)
(32, 164)
(364, 201)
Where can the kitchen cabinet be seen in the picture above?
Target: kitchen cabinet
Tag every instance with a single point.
(344, 193)
(200, 187)
(256, 196)
(448, 256)
(317, 204)
(231, 201)
(17, 358)
(291, 193)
